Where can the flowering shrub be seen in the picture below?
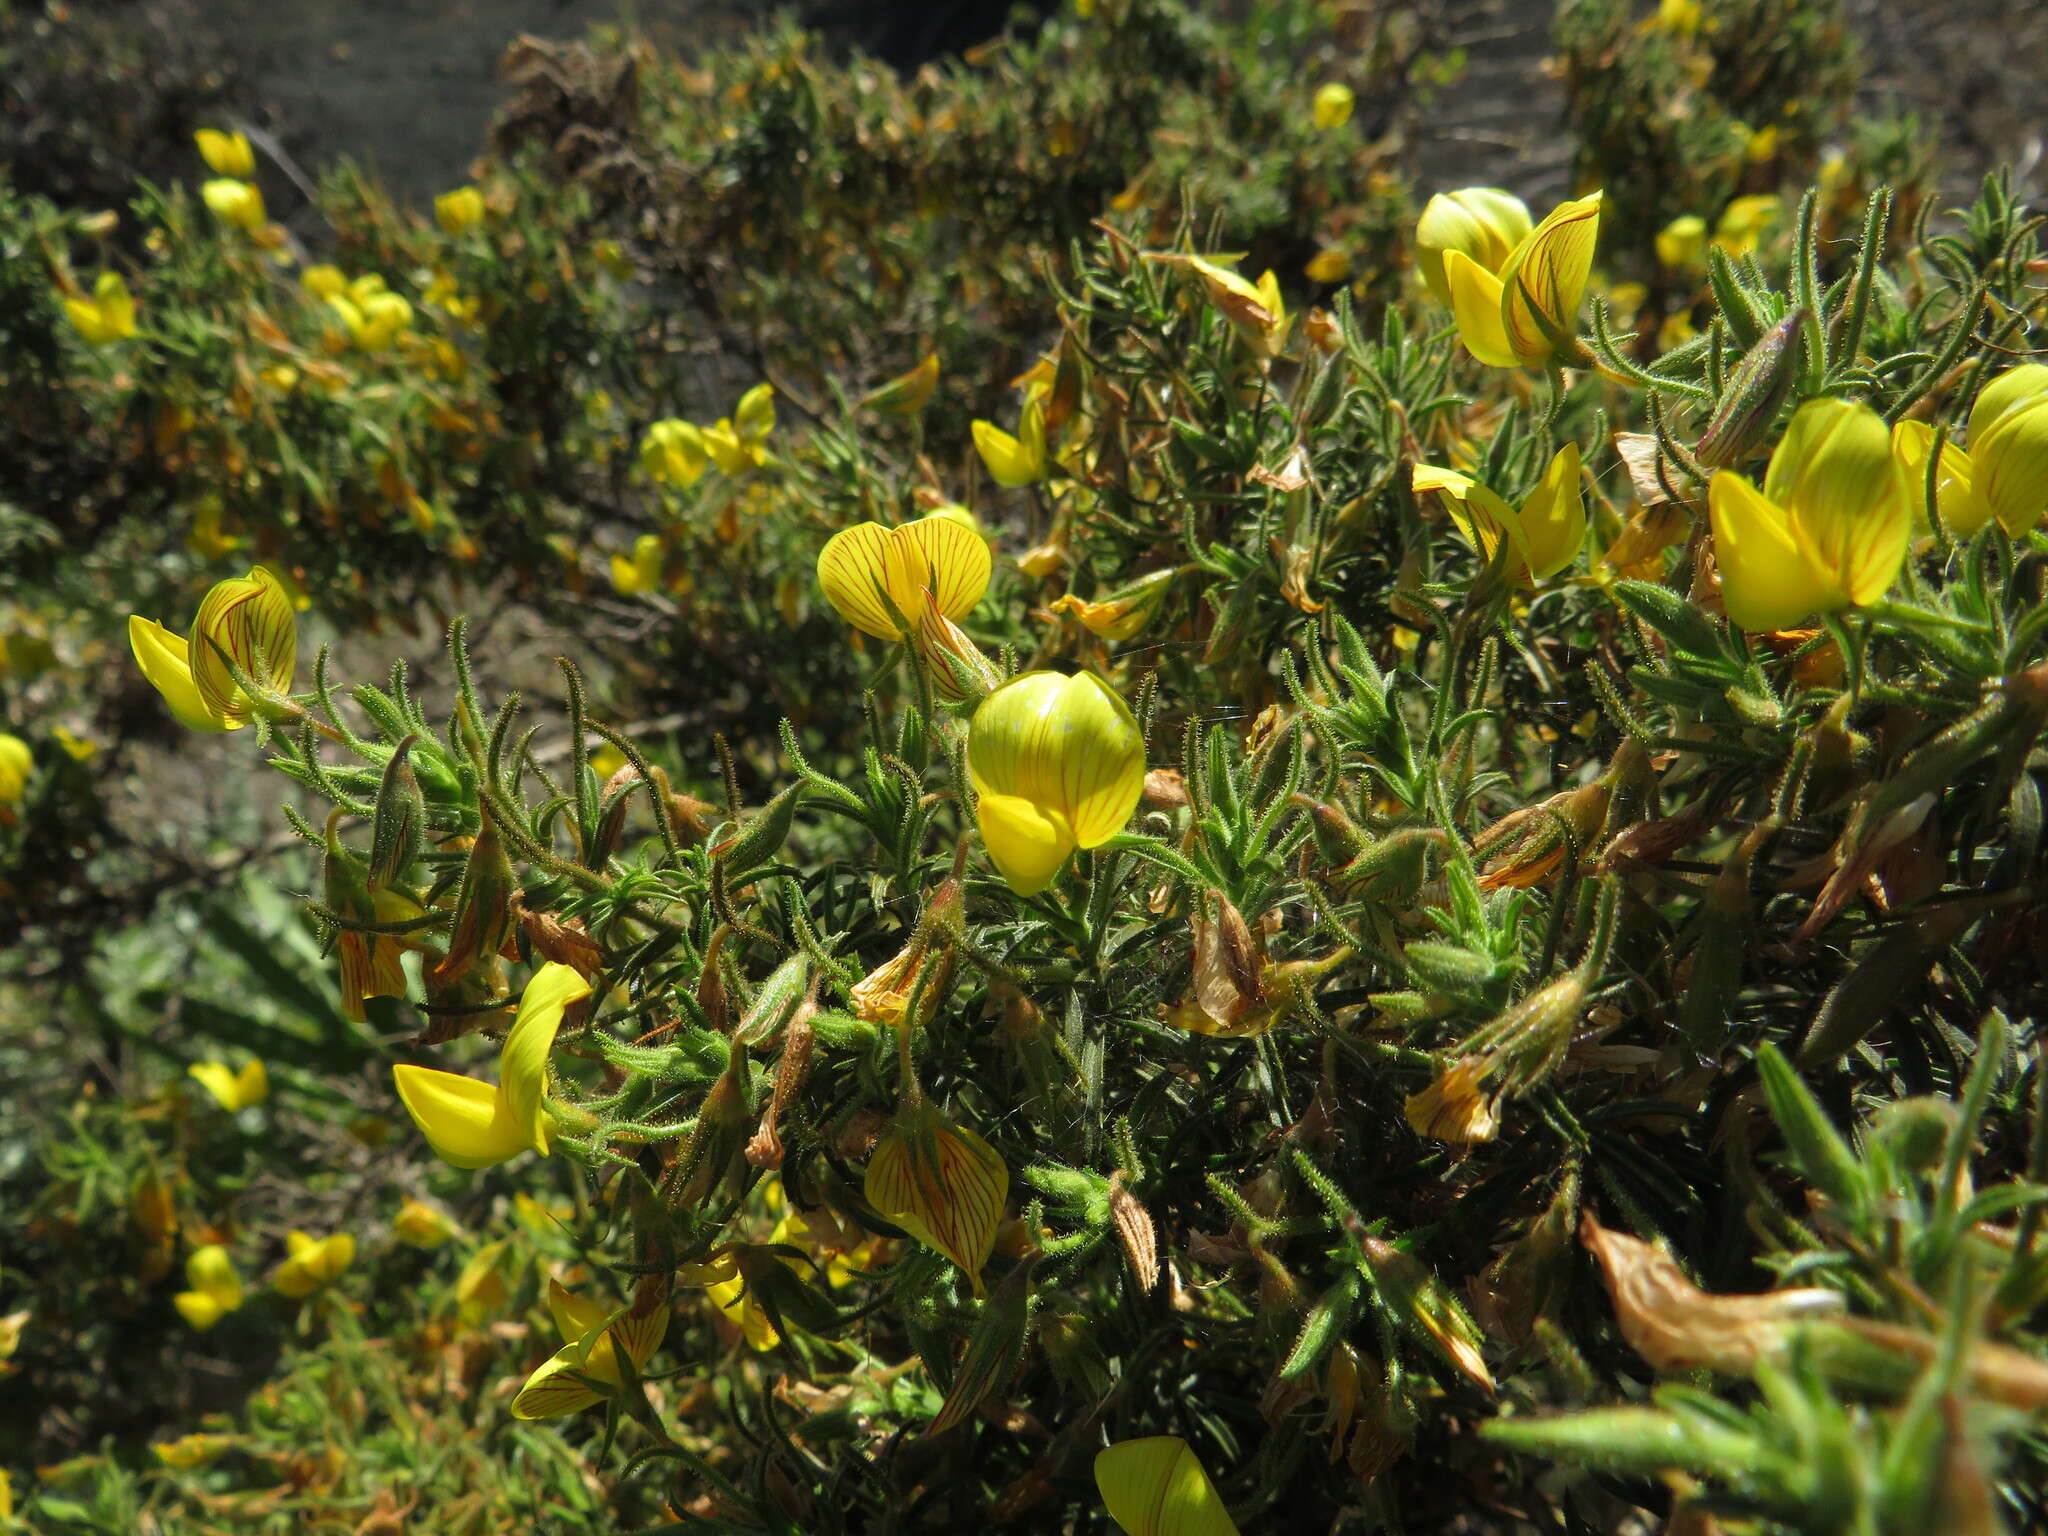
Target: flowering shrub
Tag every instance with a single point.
(1371, 887)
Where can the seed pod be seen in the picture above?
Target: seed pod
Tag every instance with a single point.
(761, 837)
(1327, 1322)
(993, 1349)
(398, 828)
(483, 910)
(774, 1003)
(1757, 390)
(1134, 1227)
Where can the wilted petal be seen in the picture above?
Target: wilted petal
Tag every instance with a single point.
(942, 1184)
(1675, 1325)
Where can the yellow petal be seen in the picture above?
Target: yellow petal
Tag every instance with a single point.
(754, 416)
(1487, 522)
(1156, 1487)
(232, 1090)
(1963, 509)
(1009, 461)
(523, 1064)
(162, 656)
(1028, 845)
(955, 562)
(1545, 278)
(1475, 303)
(552, 1390)
(250, 618)
(1835, 476)
(1068, 745)
(465, 1121)
(1766, 583)
(1552, 522)
(210, 1270)
(199, 1309)
(226, 154)
(2012, 389)
(2011, 460)
(853, 571)
(1484, 223)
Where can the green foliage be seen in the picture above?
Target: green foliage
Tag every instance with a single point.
(1461, 910)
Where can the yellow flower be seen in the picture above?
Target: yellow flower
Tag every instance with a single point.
(1156, 1487)
(481, 1290)
(1328, 266)
(1484, 223)
(673, 452)
(459, 211)
(1682, 244)
(474, 1124)
(1963, 510)
(226, 154)
(371, 315)
(108, 316)
(1019, 460)
(1829, 529)
(1745, 221)
(591, 1339)
(235, 202)
(214, 1291)
(1542, 538)
(188, 1453)
(861, 565)
(2009, 446)
(419, 1225)
(1761, 145)
(1678, 16)
(16, 764)
(737, 446)
(324, 282)
(314, 1263)
(1057, 763)
(641, 573)
(233, 1091)
(1524, 314)
(942, 1184)
(249, 618)
(1333, 103)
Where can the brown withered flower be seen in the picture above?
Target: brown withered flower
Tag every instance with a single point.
(1676, 1326)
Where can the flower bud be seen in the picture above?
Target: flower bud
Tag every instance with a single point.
(1418, 1298)
(398, 825)
(1333, 104)
(314, 1264)
(1757, 389)
(483, 908)
(762, 835)
(959, 669)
